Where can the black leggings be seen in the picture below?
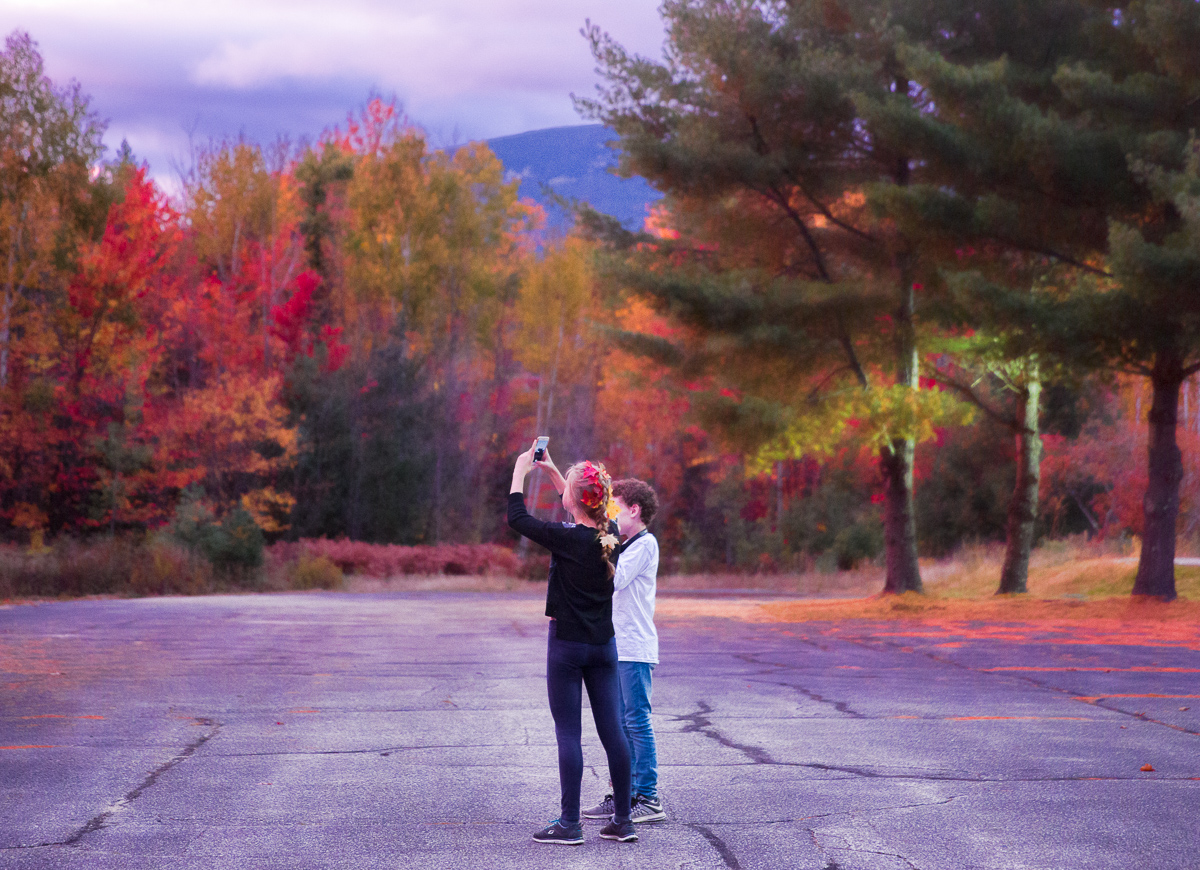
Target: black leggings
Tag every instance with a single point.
(570, 664)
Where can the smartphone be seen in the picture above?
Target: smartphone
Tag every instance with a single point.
(539, 449)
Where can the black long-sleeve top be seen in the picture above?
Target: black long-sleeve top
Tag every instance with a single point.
(580, 593)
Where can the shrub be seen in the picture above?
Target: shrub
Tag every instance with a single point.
(314, 572)
(390, 560)
(68, 568)
(536, 567)
(856, 543)
(234, 545)
(164, 567)
(104, 566)
(239, 543)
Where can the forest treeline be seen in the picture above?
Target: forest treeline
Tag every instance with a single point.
(921, 274)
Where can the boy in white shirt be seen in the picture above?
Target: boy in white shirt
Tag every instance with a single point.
(637, 644)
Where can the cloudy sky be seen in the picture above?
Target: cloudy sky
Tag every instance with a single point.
(162, 71)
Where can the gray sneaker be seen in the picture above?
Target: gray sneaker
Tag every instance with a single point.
(622, 832)
(557, 832)
(602, 810)
(645, 809)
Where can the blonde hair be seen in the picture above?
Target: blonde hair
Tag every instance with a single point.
(591, 490)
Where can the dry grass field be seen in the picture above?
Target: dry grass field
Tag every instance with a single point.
(1068, 583)
(1067, 580)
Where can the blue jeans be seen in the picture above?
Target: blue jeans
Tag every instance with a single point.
(570, 665)
(635, 717)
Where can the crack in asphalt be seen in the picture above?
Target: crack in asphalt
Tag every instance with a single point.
(840, 706)
(378, 750)
(1141, 716)
(870, 810)
(1136, 715)
(98, 821)
(697, 723)
(721, 847)
(846, 847)
(860, 811)
(884, 854)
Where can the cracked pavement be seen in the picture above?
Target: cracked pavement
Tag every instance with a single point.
(411, 730)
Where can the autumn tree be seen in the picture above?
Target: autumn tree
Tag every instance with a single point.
(1057, 145)
(1156, 309)
(428, 253)
(49, 138)
(556, 342)
(766, 124)
(49, 207)
(243, 209)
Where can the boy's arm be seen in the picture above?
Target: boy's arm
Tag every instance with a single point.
(639, 561)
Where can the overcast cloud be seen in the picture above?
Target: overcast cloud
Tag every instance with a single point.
(464, 69)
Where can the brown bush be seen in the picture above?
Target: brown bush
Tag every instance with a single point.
(314, 572)
(164, 567)
(103, 566)
(391, 560)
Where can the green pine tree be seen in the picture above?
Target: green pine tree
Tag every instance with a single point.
(1057, 148)
(766, 124)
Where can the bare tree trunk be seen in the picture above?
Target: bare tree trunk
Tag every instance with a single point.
(779, 467)
(354, 509)
(1023, 507)
(268, 291)
(896, 463)
(899, 519)
(5, 332)
(10, 293)
(1156, 567)
(544, 422)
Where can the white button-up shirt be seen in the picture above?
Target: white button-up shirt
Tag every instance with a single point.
(633, 601)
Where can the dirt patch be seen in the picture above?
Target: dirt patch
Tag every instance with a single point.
(1020, 619)
(813, 584)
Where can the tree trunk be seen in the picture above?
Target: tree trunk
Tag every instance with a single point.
(6, 308)
(896, 462)
(545, 422)
(1023, 507)
(1156, 567)
(899, 520)
(5, 332)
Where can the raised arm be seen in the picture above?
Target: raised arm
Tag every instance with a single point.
(549, 535)
(521, 470)
(548, 466)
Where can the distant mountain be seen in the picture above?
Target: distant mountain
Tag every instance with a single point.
(574, 162)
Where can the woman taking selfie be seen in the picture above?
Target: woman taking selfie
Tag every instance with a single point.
(582, 649)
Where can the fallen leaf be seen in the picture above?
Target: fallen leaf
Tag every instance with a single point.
(1147, 767)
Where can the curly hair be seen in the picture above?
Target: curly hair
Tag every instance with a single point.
(637, 492)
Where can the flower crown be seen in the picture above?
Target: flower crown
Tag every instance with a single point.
(595, 488)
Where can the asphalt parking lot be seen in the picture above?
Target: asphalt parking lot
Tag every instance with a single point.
(411, 731)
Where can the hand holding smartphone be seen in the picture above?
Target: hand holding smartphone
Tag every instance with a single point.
(539, 448)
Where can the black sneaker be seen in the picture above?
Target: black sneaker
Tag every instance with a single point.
(645, 809)
(602, 810)
(622, 832)
(557, 832)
